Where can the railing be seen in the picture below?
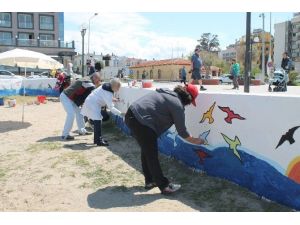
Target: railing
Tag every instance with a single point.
(37, 43)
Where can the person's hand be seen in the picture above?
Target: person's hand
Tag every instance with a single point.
(115, 99)
(196, 141)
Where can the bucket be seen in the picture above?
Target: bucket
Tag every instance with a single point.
(41, 98)
(1, 101)
(12, 102)
(147, 83)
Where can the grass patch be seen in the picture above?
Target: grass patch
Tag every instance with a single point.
(99, 177)
(46, 177)
(2, 173)
(48, 146)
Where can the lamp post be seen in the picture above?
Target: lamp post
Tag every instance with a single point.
(263, 64)
(83, 31)
(95, 14)
(248, 54)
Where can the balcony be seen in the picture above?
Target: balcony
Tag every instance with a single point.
(37, 43)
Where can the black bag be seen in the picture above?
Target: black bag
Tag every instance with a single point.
(104, 114)
(231, 77)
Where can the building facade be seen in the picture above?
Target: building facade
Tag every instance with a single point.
(228, 54)
(282, 41)
(295, 50)
(37, 31)
(168, 69)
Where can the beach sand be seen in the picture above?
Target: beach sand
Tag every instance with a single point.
(39, 172)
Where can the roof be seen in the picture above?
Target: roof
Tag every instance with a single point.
(163, 62)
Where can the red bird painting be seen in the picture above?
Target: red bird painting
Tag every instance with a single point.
(230, 114)
(202, 155)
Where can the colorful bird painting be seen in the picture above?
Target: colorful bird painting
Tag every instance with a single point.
(230, 114)
(204, 136)
(288, 136)
(202, 155)
(233, 145)
(208, 115)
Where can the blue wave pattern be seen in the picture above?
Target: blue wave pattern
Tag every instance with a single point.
(255, 174)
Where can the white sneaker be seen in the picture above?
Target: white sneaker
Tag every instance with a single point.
(171, 189)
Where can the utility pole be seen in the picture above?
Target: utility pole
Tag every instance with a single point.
(95, 14)
(83, 31)
(263, 63)
(248, 54)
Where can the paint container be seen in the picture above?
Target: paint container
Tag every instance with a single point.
(41, 98)
(147, 83)
(12, 102)
(1, 101)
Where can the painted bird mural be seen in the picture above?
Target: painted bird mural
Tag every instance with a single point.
(208, 115)
(288, 136)
(202, 155)
(204, 136)
(230, 114)
(233, 145)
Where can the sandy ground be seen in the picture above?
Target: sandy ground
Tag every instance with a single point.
(39, 172)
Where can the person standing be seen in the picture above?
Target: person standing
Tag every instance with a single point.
(196, 65)
(91, 68)
(72, 98)
(235, 73)
(147, 124)
(183, 75)
(100, 97)
(286, 62)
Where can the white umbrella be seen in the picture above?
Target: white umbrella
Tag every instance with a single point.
(28, 59)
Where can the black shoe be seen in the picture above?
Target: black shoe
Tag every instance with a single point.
(202, 88)
(149, 186)
(85, 133)
(102, 143)
(67, 138)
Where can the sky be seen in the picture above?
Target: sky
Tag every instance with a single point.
(159, 35)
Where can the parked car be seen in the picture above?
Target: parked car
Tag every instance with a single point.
(224, 79)
(5, 74)
(45, 74)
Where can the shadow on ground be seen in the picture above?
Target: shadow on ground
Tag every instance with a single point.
(6, 126)
(199, 191)
(121, 196)
(79, 146)
(50, 139)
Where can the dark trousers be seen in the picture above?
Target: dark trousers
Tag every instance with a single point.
(235, 81)
(183, 80)
(97, 131)
(147, 140)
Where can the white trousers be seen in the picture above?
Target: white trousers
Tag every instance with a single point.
(72, 110)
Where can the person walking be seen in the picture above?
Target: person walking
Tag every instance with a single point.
(196, 65)
(235, 73)
(99, 98)
(72, 98)
(183, 75)
(286, 62)
(152, 115)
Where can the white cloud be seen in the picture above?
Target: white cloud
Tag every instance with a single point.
(125, 34)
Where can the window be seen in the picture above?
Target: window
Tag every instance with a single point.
(5, 19)
(26, 36)
(25, 21)
(46, 37)
(46, 22)
(6, 38)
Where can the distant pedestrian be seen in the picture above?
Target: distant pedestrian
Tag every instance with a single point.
(235, 73)
(286, 62)
(183, 75)
(99, 98)
(149, 117)
(196, 65)
(72, 98)
(91, 68)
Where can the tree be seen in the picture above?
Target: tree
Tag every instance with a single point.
(209, 42)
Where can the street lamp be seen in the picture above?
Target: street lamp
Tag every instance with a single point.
(263, 64)
(83, 31)
(95, 14)
(248, 54)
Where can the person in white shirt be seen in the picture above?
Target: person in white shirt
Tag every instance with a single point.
(100, 97)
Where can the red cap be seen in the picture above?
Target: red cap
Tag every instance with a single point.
(193, 90)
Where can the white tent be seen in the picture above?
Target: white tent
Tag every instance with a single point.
(28, 59)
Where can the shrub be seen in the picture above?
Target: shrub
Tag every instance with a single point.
(294, 78)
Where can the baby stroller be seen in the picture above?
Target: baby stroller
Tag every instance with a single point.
(279, 80)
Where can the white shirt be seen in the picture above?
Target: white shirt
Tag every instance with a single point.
(97, 99)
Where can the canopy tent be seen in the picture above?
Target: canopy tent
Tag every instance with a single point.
(28, 59)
